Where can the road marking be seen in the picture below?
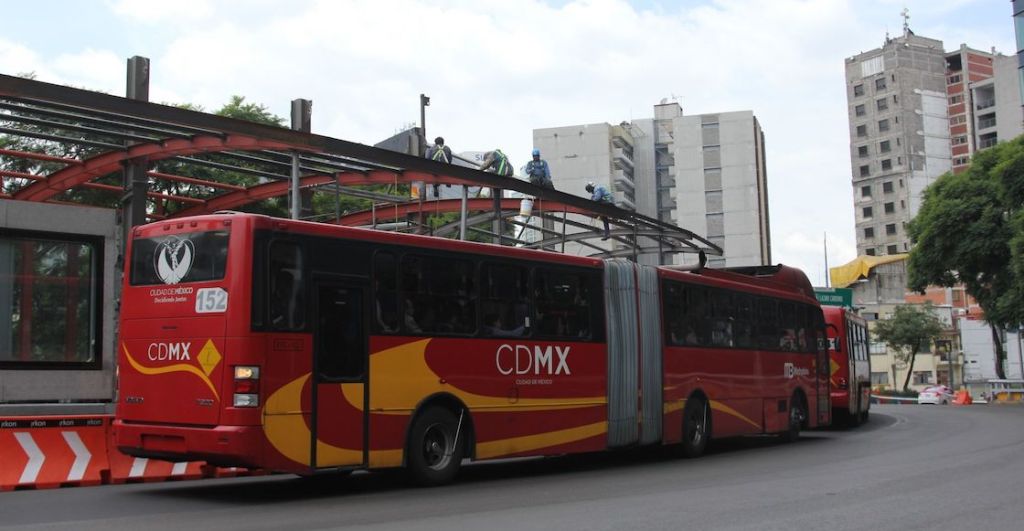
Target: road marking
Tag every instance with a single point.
(82, 455)
(35, 457)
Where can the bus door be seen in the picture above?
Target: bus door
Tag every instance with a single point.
(822, 378)
(339, 391)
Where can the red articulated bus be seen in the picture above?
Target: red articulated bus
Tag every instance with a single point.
(301, 347)
(850, 366)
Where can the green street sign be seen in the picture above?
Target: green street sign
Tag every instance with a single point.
(834, 297)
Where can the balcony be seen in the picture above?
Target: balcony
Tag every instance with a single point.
(986, 122)
(623, 181)
(985, 104)
(622, 158)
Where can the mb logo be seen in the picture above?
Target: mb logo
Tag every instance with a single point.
(174, 259)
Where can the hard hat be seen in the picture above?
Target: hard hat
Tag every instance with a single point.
(590, 186)
(536, 152)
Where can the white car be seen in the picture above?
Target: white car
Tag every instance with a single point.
(937, 394)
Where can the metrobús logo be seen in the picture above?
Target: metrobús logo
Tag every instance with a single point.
(173, 259)
(532, 360)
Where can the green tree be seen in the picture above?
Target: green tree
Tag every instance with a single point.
(910, 330)
(970, 231)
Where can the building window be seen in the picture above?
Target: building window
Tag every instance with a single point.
(882, 104)
(869, 252)
(960, 161)
(862, 151)
(859, 110)
(956, 98)
(879, 378)
(865, 191)
(886, 164)
(862, 130)
(887, 187)
(892, 249)
(880, 83)
(865, 170)
(895, 99)
(884, 146)
(858, 91)
(955, 78)
(921, 378)
(883, 125)
(890, 229)
(868, 213)
(890, 208)
(869, 232)
(958, 140)
(957, 120)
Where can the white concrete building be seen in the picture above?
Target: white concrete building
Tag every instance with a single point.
(705, 173)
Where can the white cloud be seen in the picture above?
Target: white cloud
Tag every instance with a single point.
(152, 12)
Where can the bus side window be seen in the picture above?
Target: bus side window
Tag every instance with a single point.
(287, 286)
(504, 304)
(742, 329)
(723, 309)
(563, 304)
(674, 302)
(385, 292)
(768, 331)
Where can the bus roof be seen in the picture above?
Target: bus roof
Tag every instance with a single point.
(778, 278)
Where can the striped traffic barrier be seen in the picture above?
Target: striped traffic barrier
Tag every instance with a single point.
(48, 452)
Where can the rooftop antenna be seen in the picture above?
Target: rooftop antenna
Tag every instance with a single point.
(906, 21)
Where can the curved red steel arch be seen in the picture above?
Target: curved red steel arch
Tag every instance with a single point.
(110, 162)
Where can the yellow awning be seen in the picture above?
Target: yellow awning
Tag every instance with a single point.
(850, 272)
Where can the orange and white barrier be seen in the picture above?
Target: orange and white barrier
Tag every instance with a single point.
(48, 452)
(53, 452)
(962, 398)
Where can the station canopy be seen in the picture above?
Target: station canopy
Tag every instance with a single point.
(66, 145)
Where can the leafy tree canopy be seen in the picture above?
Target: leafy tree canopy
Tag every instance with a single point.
(970, 230)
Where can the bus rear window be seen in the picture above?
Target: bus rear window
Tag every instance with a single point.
(179, 258)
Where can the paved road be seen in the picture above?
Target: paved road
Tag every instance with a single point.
(911, 467)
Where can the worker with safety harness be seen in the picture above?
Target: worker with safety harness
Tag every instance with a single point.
(497, 163)
(538, 171)
(439, 152)
(601, 194)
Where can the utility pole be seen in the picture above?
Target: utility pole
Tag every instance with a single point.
(424, 103)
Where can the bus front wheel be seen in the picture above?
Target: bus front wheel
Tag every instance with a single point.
(435, 449)
(696, 427)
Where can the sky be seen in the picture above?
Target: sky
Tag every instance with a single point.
(496, 70)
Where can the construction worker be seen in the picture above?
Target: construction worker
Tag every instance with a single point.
(439, 152)
(538, 171)
(496, 162)
(601, 194)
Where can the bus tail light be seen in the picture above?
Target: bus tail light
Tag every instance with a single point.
(247, 386)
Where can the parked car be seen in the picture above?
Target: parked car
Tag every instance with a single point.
(936, 394)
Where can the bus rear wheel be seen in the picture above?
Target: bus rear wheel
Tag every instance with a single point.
(797, 414)
(435, 449)
(696, 424)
